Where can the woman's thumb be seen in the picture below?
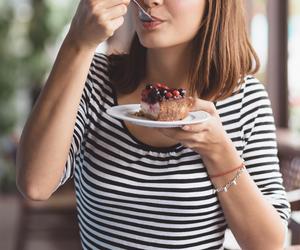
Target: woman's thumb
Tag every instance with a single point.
(200, 104)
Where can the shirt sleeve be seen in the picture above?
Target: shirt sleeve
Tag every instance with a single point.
(260, 147)
(82, 120)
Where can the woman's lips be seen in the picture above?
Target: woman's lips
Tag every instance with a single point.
(152, 25)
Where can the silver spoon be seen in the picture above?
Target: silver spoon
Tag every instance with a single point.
(143, 15)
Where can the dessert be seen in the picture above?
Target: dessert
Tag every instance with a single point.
(161, 103)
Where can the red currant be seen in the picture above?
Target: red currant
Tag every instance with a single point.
(176, 93)
(169, 95)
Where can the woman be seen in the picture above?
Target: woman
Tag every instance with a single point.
(145, 188)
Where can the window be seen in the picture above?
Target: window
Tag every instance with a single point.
(293, 65)
(259, 34)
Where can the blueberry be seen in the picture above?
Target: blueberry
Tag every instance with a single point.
(163, 92)
(149, 86)
(182, 92)
(153, 96)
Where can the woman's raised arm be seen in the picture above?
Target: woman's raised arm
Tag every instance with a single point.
(47, 136)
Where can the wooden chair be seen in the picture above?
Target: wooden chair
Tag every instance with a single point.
(53, 222)
(289, 155)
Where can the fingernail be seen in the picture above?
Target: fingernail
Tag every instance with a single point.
(185, 127)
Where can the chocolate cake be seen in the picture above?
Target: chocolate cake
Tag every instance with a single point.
(161, 103)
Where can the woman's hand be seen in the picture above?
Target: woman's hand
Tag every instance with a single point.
(209, 139)
(95, 21)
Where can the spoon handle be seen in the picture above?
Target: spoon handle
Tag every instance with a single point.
(142, 9)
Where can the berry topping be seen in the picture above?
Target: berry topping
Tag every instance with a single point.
(182, 92)
(169, 95)
(163, 92)
(157, 92)
(149, 86)
(158, 85)
(176, 93)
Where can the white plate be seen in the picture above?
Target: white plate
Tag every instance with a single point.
(126, 113)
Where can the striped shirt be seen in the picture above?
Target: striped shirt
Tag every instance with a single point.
(135, 196)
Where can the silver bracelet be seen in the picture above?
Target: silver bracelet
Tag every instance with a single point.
(231, 183)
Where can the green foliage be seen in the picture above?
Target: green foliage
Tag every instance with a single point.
(28, 30)
(7, 63)
(23, 49)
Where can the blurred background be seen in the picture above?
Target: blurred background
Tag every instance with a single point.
(31, 32)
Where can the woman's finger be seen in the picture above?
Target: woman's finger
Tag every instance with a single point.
(111, 3)
(175, 133)
(200, 104)
(105, 15)
(116, 23)
(196, 141)
(195, 128)
(181, 136)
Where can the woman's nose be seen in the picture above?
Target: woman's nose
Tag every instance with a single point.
(152, 3)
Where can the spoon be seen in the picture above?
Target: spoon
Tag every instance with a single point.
(143, 15)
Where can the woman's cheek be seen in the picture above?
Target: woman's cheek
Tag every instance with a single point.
(186, 6)
(187, 13)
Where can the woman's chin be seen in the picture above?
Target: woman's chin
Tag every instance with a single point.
(153, 43)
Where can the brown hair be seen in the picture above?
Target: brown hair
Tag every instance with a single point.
(222, 55)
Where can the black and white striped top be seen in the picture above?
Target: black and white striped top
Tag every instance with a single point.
(134, 196)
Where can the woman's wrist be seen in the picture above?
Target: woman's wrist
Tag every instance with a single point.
(73, 44)
(221, 178)
(230, 182)
(226, 159)
(222, 174)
